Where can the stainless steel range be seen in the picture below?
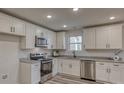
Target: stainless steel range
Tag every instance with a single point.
(46, 66)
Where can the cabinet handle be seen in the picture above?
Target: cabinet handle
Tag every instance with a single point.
(116, 65)
(61, 65)
(107, 70)
(11, 29)
(36, 65)
(70, 65)
(108, 45)
(84, 46)
(101, 63)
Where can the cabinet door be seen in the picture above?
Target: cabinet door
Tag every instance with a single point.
(122, 73)
(51, 40)
(28, 42)
(5, 23)
(60, 65)
(55, 67)
(102, 71)
(89, 38)
(35, 73)
(114, 76)
(67, 67)
(115, 37)
(61, 40)
(75, 67)
(18, 27)
(102, 37)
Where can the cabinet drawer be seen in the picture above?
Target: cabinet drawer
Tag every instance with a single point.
(36, 66)
(101, 65)
(115, 66)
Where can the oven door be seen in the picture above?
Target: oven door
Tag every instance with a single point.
(46, 68)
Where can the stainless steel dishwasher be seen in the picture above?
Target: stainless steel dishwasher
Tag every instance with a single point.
(87, 69)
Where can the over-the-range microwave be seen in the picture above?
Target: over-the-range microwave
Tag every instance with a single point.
(40, 42)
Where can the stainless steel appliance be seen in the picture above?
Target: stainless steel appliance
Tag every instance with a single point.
(41, 42)
(46, 66)
(87, 70)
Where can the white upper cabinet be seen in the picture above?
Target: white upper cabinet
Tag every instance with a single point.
(105, 37)
(51, 39)
(41, 32)
(89, 38)
(115, 37)
(101, 37)
(28, 42)
(18, 27)
(11, 25)
(60, 40)
(5, 23)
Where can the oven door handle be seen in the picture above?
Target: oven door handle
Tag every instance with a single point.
(45, 62)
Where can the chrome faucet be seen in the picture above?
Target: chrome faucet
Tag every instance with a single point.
(74, 54)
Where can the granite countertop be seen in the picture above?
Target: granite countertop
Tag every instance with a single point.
(25, 60)
(96, 59)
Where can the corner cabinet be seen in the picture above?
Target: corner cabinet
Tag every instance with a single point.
(11, 25)
(60, 40)
(104, 37)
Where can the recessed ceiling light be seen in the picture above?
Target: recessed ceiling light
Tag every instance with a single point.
(64, 26)
(49, 16)
(112, 17)
(75, 9)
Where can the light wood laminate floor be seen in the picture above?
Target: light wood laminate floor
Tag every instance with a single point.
(67, 79)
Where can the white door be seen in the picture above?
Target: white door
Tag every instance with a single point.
(5, 23)
(102, 37)
(115, 37)
(9, 63)
(75, 67)
(102, 71)
(18, 27)
(89, 38)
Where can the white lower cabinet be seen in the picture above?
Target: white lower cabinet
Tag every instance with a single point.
(71, 67)
(55, 67)
(60, 65)
(109, 72)
(29, 73)
(102, 71)
(122, 73)
(66, 66)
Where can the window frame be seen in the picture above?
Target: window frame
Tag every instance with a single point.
(75, 43)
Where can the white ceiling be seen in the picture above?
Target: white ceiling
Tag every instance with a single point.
(61, 16)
